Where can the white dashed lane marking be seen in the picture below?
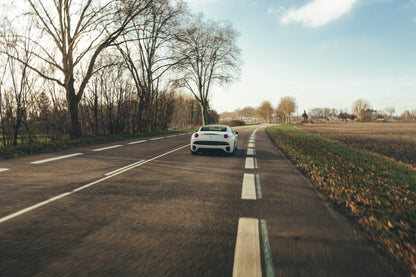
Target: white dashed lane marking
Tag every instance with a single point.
(249, 187)
(249, 163)
(247, 258)
(4, 169)
(136, 142)
(57, 158)
(107, 148)
(247, 261)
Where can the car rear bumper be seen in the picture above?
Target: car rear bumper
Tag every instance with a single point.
(201, 145)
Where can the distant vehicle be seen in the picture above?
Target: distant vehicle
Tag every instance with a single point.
(214, 137)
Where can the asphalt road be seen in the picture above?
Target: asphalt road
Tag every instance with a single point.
(147, 207)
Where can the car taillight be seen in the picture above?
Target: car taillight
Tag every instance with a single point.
(196, 135)
(225, 136)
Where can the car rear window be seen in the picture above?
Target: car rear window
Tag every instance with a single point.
(214, 129)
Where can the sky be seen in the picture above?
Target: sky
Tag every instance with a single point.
(324, 53)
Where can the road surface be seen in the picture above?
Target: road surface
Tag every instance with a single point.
(147, 207)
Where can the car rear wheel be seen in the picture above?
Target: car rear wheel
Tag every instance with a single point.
(232, 153)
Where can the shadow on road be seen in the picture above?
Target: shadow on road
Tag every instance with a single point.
(219, 153)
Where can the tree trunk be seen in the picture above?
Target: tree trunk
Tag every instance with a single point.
(204, 113)
(75, 131)
(75, 125)
(2, 120)
(19, 115)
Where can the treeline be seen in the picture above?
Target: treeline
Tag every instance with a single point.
(72, 69)
(285, 111)
(265, 113)
(107, 108)
(367, 115)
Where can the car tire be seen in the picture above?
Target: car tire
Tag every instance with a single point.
(232, 153)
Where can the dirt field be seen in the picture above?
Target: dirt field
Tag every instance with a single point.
(393, 140)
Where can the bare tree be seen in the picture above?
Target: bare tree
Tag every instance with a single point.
(248, 112)
(286, 107)
(265, 111)
(147, 54)
(409, 116)
(72, 36)
(186, 112)
(390, 111)
(2, 77)
(20, 84)
(360, 108)
(210, 56)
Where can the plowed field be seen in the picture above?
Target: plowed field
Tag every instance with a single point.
(393, 140)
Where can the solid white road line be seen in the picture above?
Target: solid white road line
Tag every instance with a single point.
(117, 172)
(167, 153)
(57, 158)
(249, 163)
(3, 219)
(258, 187)
(4, 169)
(126, 167)
(251, 145)
(267, 250)
(139, 141)
(247, 261)
(106, 148)
(250, 152)
(248, 191)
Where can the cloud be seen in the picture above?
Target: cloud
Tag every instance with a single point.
(318, 12)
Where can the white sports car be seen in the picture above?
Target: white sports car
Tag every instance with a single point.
(214, 137)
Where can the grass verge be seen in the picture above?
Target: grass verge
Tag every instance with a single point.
(19, 150)
(378, 194)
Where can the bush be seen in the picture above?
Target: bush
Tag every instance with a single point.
(237, 123)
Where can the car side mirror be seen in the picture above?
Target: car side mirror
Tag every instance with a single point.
(236, 133)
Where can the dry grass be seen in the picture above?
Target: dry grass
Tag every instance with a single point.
(392, 140)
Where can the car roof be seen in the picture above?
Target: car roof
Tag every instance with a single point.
(214, 127)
